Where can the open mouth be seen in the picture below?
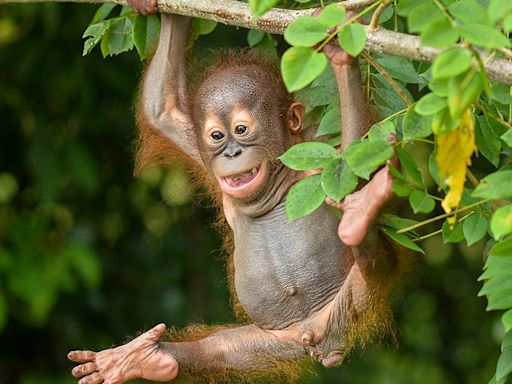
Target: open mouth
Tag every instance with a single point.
(245, 183)
(240, 179)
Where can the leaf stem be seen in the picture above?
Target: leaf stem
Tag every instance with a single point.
(481, 107)
(428, 235)
(432, 234)
(433, 196)
(374, 23)
(443, 9)
(424, 141)
(440, 217)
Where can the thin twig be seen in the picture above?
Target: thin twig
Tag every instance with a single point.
(388, 78)
(443, 216)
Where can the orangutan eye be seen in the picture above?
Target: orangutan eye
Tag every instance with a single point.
(240, 129)
(217, 135)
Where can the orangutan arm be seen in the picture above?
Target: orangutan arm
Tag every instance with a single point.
(164, 101)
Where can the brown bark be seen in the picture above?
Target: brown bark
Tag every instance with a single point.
(236, 13)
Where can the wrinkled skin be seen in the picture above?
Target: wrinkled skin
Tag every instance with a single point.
(305, 288)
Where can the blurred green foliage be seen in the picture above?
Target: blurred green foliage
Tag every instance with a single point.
(88, 254)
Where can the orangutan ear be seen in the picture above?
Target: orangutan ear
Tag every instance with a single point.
(295, 117)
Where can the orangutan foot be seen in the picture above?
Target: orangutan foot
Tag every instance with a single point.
(360, 208)
(140, 358)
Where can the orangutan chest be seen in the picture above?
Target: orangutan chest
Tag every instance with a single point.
(286, 270)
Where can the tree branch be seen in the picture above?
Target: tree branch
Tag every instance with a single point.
(236, 13)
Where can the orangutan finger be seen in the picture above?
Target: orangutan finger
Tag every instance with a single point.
(95, 378)
(84, 369)
(81, 356)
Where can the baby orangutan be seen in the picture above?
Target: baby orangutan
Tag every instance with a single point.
(308, 292)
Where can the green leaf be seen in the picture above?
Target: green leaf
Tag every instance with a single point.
(401, 188)
(322, 91)
(381, 131)
(506, 319)
(497, 185)
(469, 11)
(504, 366)
(464, 90)
(415, 126)
(305, 31)
(202, 26)
(439, 87)
(259, 7)
(338, 180)
(474, 228)
(307, 156)
(399, 68)
(439, 34)
(498, 9)
(95, 33)
(507, 23)
(402, 239)
(494, 381)
(118, 38)
(405, 7)
(300, 66)
(442, 122)
(501, 93)
(496, 267)
(421, 202)
(332, 15)
(410, 166)
(330, 123)
(422, 16)
(487, 142)
(396, 222)
(484, 36)
(254, 37)
(433, 168)
(501, 222)
(352, 39)
(389, 99)
(454, 235)
(304, 197)
(497, 286)
(502, 249)
(126, 10)
(366, 156)
(102, 12)
(451, 62)
(145, 35)
(430, 104)
(335, 141)
(507, 137)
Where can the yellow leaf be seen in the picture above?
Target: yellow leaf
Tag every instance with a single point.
(454, 152)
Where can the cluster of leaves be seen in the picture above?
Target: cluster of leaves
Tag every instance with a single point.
(465, 113)
(304, 61)
(123, 32)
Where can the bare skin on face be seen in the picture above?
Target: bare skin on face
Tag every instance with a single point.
(306, 290)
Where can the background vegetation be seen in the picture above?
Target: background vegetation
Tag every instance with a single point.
(88, 254)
